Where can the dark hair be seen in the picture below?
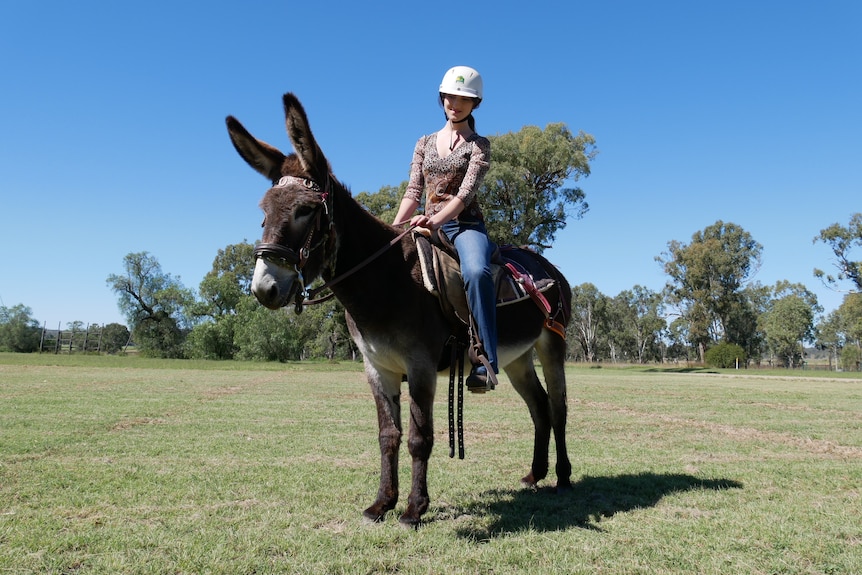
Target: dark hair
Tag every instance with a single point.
(471, 121)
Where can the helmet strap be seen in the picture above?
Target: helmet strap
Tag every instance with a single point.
(467, 117)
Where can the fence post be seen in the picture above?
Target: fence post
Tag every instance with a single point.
(42, 339)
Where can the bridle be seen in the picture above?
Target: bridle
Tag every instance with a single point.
(285, 256)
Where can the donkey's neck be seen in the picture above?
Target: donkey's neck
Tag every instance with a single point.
(360, 235)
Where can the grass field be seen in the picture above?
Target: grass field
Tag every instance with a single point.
(123, 465)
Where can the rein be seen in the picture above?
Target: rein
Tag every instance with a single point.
(353, 270)
(285, 256)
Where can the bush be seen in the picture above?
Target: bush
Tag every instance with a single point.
(725, 355)
(19, 332)
(851, 358)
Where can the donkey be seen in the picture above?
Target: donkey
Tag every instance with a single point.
(314, 228)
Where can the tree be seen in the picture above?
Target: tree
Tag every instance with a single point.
(524, 197)
(643, 320)
(115, 337)
(850, 320)
(77, 335)
(788, 324)
(589, 309)
(706, 277)
(725, 355)
(19, 332)
(154, 303)
(788, 321)
(614, 331)
(214, 339)
(842, 239)
(232, 273)
(221, 291)
(322, 329)
(385, 203)
(679, 346)
(830, 338)
(263, 334)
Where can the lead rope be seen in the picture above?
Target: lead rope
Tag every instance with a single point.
(461, 405)
(456, 359)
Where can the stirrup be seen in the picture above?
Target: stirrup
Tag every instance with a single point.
(478, 380)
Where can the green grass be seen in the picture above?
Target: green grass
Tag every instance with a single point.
(128, 465)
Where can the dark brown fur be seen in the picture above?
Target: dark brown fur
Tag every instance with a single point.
(396, 323)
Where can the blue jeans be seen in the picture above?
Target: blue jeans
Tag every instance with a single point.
(475, 250)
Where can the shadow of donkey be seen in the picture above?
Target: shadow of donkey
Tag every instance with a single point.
(590, 500)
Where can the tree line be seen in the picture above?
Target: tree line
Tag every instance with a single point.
(709, 311)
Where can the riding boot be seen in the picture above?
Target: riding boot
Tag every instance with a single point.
(482, 376)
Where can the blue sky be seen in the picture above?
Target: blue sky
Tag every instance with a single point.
(113, 137)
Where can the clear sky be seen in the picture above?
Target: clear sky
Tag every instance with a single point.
(113, 138)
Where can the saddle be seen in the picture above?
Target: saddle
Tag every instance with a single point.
(517, 276)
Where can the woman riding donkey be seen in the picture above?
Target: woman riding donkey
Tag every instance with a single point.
(449, 166)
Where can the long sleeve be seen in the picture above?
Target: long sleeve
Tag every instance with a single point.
(416, 184)
(480, 161)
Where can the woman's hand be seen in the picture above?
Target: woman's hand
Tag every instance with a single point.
(423, 221)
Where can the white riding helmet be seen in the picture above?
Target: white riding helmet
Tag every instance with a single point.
(462, 81)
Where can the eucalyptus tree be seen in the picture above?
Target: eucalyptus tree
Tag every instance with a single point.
(155, 304)
(529, 192)
(850, 321)
(788, 321)
(830, 338)
(707, 277)
(644, 321)
(841, 240)
(589, 315)
(788, 324)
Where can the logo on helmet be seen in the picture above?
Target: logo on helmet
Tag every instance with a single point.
(459, 80)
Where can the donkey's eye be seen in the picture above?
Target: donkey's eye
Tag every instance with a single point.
(303, 212)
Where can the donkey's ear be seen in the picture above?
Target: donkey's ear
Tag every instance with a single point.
(310, 155)
(265, 159)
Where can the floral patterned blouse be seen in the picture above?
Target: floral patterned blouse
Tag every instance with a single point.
(457, 175)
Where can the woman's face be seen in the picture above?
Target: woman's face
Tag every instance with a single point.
(457, 107)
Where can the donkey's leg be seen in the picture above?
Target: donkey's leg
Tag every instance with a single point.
(552, 354)
(420, 442)
(386, 388)
(523, 376)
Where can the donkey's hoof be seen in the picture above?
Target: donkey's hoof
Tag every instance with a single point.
(530, 481)
(375, 513)
(564, 487)
(410, 521)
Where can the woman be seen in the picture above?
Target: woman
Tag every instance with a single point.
(448, 166)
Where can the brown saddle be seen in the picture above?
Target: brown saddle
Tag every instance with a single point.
(517, 276)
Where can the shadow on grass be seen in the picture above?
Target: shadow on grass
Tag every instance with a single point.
(591, 500)
(680, 370)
